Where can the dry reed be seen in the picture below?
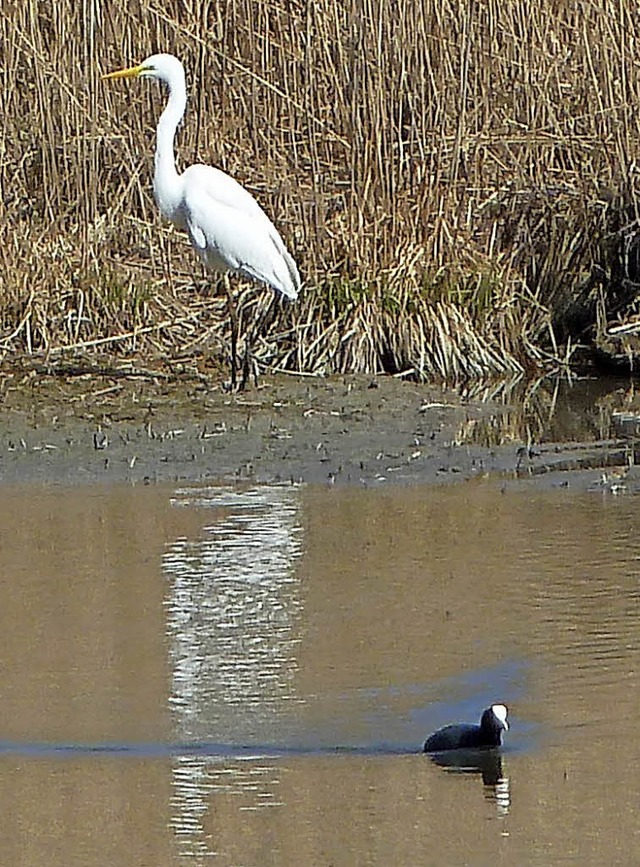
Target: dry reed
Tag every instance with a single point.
(455, 179)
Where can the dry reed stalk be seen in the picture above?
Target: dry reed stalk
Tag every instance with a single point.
(437, 168)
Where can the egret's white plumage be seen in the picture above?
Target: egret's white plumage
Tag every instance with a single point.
(226, 225)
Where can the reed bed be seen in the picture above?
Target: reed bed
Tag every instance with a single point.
(456, 180)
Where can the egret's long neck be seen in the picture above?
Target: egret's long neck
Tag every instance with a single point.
(166, 185)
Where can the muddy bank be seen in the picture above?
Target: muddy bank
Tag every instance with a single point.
(346, 430)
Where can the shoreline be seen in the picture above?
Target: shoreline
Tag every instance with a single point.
(348, 430)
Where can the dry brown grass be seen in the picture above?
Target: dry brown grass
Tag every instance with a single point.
(454, 179)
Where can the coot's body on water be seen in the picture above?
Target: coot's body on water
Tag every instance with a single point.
(464, 737)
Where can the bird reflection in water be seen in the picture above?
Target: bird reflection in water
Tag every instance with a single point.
(487, 764)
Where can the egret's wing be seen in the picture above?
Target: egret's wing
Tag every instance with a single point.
(223, 188)
(230, 230)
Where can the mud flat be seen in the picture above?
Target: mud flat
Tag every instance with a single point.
(344, 430)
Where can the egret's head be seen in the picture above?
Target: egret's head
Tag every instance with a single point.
(164, 67)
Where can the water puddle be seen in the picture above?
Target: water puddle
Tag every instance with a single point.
(248, 674)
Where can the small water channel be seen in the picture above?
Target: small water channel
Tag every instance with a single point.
(246, 675)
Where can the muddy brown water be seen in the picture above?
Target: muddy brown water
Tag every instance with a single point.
(245, 675)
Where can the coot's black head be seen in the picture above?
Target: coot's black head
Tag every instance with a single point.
(492, 723)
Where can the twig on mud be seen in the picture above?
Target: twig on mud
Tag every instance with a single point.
(78, 370)
(101, 392)
(307, 373)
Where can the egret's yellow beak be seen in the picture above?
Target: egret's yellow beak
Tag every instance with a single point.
(132, 72)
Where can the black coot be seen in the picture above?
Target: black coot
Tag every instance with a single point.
(456, 737)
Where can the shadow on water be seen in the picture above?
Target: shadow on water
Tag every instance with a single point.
(462, 697)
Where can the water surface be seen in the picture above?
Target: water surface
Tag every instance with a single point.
(246, 675)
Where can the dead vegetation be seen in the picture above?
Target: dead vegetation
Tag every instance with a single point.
(457, 181)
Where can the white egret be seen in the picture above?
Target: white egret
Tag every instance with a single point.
(226, 225)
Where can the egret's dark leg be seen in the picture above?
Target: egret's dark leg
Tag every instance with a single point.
(233, 319)
(249, 361)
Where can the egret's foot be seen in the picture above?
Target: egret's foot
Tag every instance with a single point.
(250, 369)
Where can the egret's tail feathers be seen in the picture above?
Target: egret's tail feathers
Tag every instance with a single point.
(292, 288)
(279, 271)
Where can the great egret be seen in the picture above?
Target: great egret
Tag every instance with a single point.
(226, 225)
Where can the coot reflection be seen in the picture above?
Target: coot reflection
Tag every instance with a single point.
(486, 762)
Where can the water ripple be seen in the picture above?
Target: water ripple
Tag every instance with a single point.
(233, 604)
